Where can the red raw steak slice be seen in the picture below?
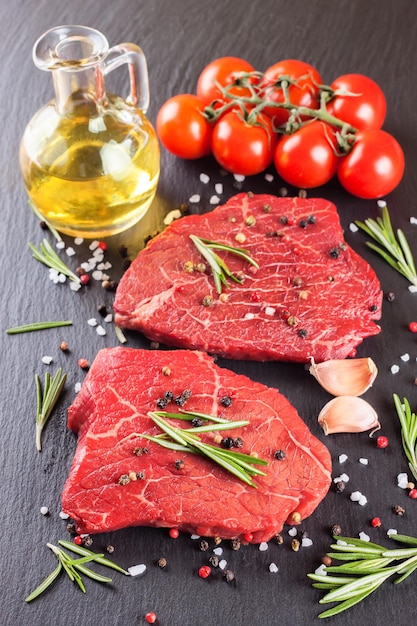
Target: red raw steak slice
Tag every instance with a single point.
(111, 411)
(313, 296)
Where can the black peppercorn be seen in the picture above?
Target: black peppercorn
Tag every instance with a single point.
(226, 401)
(227, 442)
(179, 464)
(334, 253)
(204, 545)
(336, 530)
(280, 455)
(339, 486)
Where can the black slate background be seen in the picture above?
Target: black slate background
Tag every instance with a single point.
(179, 37)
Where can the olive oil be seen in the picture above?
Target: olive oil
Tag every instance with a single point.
(92, 173)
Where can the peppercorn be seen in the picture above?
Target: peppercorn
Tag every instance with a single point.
(302, 193)
(226, 401)
(124, 479)
(250, 220)
(390, 296)
(413, 494)
(327, 561)
(87, 541)
(196, 422)
(84, 279)
(201, 267)
(186, 394)
(109, 285)
(311, 219)
(373, 308)
(207, 301)
(174, 533)
(102, 310)
(188, 267)
(297, 281)
(162, 562)
(267, 208)
(161, 403)
(78, 540)
(150, 618)
(302, 333)
(180, 400)
(227, 442)
(279, 539)
(295, 545)
(166, 370)
(336, 530)
(83, 363)
(204, 545)
(382, 442)
(154, 345)
(238, 442)
(179, 464)
(228, 575)
(283, 219)
(214, 560)
(412, 327)
(168, 396)
(247, 537)
(204, 571)
(339, 486)
(399, 510)
(140, 475)
(110, 549)
(280, 455)
(334, 253)
(217, 540)
(296, 517)
(282, 191)
(235, 544)
(63, 346)
(71, 528)
(375, 522)
(302, 223)
(139, 451)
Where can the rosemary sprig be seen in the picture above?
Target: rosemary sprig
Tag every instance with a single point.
(46, 400)
(396, 252)
(47, 255)
(27, 328)
(74, 568)
(221, 271)
(188, 440)
(365, 566)
(408, 421)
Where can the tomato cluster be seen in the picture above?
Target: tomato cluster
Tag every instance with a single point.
(286, 116)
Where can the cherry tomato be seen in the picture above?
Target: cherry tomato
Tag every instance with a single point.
(303, 92)
(242, 147)
(222, 71)
(366, 109)
(374, 166)
(307, 158)
(182, 127)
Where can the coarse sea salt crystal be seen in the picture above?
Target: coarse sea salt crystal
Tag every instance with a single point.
(405, 357)
(218, 551)
(194, 198)
(170, 217)
(97, 275)
(353, 228)
(239, 178)
(62, 278)
(392, 531)
(412, 288)
(344, 477)
(70, 251)
(204, 178)
(47, 360)
(273, 568)
(363, 461)
(269, 178)
(269, 310)
(292, 531)
(60, 245)
(363, 500)
(355, 496)
(223, 564)
(364, 536)
(63, 515)
(218, 187)
(343, 458)
(137, 570)
(413, 220)
(195, 536)
(263, 546)
(75, 286)
(108, 318)
(321, 570)
(395, 369)
(77, 387)
(92, 321)
(44, 510)
(306, 542)
(381, 203)
(78, 241)
(402, 480)
(249, 316)
(101, 331)
(93, 245)
(214, 200)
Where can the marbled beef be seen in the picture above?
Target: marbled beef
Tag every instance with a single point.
(111, 412)
(313, 296)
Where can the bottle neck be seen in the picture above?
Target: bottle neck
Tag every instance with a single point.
(75, 88)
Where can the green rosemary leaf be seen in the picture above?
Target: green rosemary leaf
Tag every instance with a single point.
(190, 415)
(26, 328)
(170, 445)
(406, 574)
(228, 465)
(47, 255)
(395, 249)
(219, 268)
(408, 422)
(212, 427)
(343, 606)
(97, 558)
(91, 574)
(47, 401)
(404, 539)
(45, 584)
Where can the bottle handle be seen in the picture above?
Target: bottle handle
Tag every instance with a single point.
(138, 71)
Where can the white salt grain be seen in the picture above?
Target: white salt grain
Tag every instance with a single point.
(306, 542)
(137, 570)
(392, 531)
(204, 178)
(47, 360)
(60, 245)
(218, 551)
(75, 286)
(364, 536)
(218, 187)
(263, 546)
(381, 203)
(194, 198)
(402, 480)
(78, 241)
(344, 477)
(108, 318)
(292, 532)
(321, 570)
(269, 178)
(355, 496)
(223, 564)
(412, 288)
(62, 278)
(395, 369)
(413, 220)
(44, 510)
(70, 251)
(63, 515)
(214, 200)
(92, 321)
(97, 275)
(195, 537)
(269, 310)
(249, 316)
(363, 461)
(77, 387)
(93, 245)
(273, 568)
(405, 357)
(101, 331)
(343, 458)
(239, 178)
(353, 228)
(363, 500)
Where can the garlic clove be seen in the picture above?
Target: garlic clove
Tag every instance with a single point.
(350, 377)
(348, 414)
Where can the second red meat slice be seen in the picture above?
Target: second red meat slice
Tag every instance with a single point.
(312, 296)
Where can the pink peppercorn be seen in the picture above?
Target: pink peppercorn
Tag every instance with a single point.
(102, 245)
(382, 442)
(174, 533)
(413, 494)
(247, 537)
(204, 571)
(78, 540)
(376, 522)
(255, 297)
(84, 279)
(412, 327)
(150, 618)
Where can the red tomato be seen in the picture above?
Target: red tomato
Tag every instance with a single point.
(222, 71)
(374, 166)
(305, 92)
(182, 127)
(307, 158)
(241, 147)
(366, 109)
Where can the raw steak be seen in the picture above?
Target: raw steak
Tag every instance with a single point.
(111, 412)
(313, 296)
